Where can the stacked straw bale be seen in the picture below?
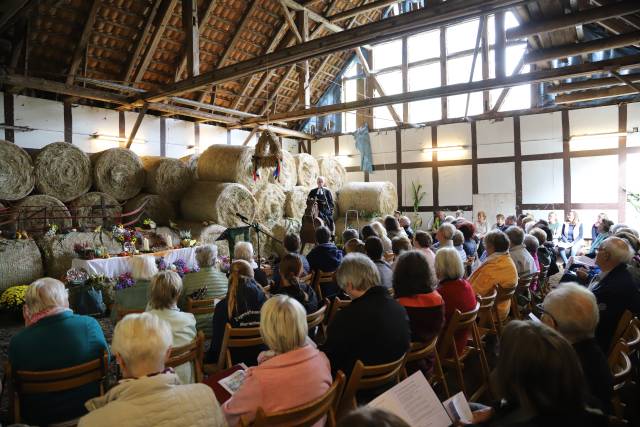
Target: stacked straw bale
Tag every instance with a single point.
(230, 163)
(157, 208)
(63, 171)
(279, 231)
(368, 198)
(90, 205)
(288, 174)
(192, 163)
(209, 236)
(118, 172)
(334, 173)
(17, 177)
(32, 213)
(218, 202)
(296, 202)
(270, 200)
(166, 177)
(307, 168)
(20, 263)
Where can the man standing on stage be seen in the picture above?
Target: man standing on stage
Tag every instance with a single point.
(325, 203)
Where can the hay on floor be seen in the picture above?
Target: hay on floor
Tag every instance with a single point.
(307, 169)
(218, 202)
(88, 212)
(368, 198)
(270, 201)
(157, 208)
(20, 263)
(36, 212)
(166, 177)
(17, 176)
(118, 172)
(334, 173)
(63, 171)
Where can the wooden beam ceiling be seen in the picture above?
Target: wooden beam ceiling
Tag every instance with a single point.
(82, 43)
(592, 83)
(140, 43)
(202, 24)
(192, 36)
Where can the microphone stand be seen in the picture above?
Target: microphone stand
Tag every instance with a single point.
(258, 228)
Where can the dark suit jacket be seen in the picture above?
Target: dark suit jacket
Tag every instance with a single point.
(615, 293)
(596, 371)
(325, 201)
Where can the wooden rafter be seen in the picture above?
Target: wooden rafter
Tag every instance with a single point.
(14, 10)
(290, 22)
(82, 43)
(351, 13)
(202, 24)
(590, 84)
(137, 51)
(192, 36)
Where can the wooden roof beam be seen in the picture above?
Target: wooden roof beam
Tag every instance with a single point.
(361, 9)
(13, 10)
(626, 80)
(82, 43)
(137, 51)
(192, 36)
(202, 24)
(590, 84)
(571, 20)
(590, 95)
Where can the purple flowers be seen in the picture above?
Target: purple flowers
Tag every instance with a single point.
(124, 281)
(161, 264)
(179, 266)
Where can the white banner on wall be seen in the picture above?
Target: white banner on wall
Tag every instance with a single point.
(493, 204)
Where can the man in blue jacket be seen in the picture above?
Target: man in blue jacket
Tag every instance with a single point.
(325, 257)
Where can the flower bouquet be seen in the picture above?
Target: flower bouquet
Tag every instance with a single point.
(185, 239)
(224, 264)
(149, 224)
(84, 251)
(124, 281)
(12, 299)
(179, 266)
(75, 276)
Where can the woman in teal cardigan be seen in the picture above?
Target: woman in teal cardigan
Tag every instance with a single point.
(54, 338)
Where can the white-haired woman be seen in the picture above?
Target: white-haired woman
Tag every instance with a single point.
(292, 360)
(143, 268)
(149, 395)
(382, 234)
(54, 338)
(166, 287)
(244, 250)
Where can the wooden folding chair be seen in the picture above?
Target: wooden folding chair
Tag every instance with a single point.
(121, 312)
(522, 291)
(307, 279)
(504, 294)
(337, 305)
(317, 318)
(486, 323)
(420, 351)
(365, 377)
(192, 352)
(448, 351)
(23, 383)
(236, 338)
(306, 415)
(543, 282)
(623, 324)
(201, 306)
(321, 277)
(620, 365)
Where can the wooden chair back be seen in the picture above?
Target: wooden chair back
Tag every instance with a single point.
(308, 414)
(22, 383)
(522, 288)
(237, 338)
(485, 313)
(320, 277)
(192, 352)
(503, 294)
(121, 312)
(338, 304)
(459, 322)
(201, 306)
(631, 336)
(365, 377)
(307, 279)
(422, 350)
(621, 369)
(622, 326)
(543, 280)
(317, 318)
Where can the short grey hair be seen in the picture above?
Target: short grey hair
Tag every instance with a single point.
(448, 264)
(458, 238)
(243, 250)
(497, 240)
(531, 243)
(142, 338)
(358, 270)
(618, 249)
(206, 255)
(575, 311)
(447, 230)
(515, 235)
(44, 294)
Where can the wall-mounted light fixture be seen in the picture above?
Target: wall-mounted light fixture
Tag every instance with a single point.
(598, 136)
(113, 138)
(440, 149)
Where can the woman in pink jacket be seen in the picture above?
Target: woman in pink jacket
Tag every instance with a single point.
(292, 373)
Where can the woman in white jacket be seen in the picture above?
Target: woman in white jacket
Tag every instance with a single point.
(149, 395)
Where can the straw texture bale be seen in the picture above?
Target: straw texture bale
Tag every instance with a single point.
(279, 231)
(270, 201)
(166, 177)
(296, 202)
(157, 208)
(58, 250)
(17, 176)
(230, 163)
(208, 236)
(218, 202)
(334, 173)
(307, 168)
(118, 172)
(63, 171)
(288, 174)
(368, 198)
(20, 262)
(90, 205)
(32, 212)
(192, 163)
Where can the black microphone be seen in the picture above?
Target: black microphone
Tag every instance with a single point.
(242, 217)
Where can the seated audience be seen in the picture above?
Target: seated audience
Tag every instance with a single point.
(54, 338)
(373, 249)
(367, 231)
(510, 220)
(554, 225)
(542, 387)
(531, 244)
(527, 223)
(498, 269)
(348, 234)
(444, 236)
(449, 219)
(544, 253)
(499, 225)
(423, 242)
(470, 244)
(456, 291)
(150, 395)
(166, 287)
(458, 245)
(143, 268)
(571, 237)
(596, 225)
(367, 416)
(290, 271)
(240, 308)
(481, 225)
(436, 221)
(604, 228)
(616, 291)
(400, 244)
(374, 328)
(291, 243)
(572, 310)
(325, 256)
(293, 372)
(518, 252)
(393, 227)
(244, 250)
(354, 245)
(382, 234)
(405, 223)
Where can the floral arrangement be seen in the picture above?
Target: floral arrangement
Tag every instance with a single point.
(84, 251)
(185, 239)
(76, 276)
(149, 223)
(224, 263)
(105, 284)
(12, 298)
(125, 280)
(179, 266)
(125, 234)
(53, 229)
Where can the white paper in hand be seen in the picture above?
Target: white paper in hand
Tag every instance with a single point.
(458, 409)
(415, 402)
(233, 382)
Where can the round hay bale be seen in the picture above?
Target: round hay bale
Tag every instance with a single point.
(58, 250)
(334, 173)
(209, 236)
(368, 198)
(63, 171)
(288, 174)
(279, 231)
(17, 176)
(229, 163)
(166, 177)
(157, 208)
(118, 172)
(307, 168)
(218, 202)
(296, 202)
(88, 212)
(20, 262)
(192, 163)
(35, 212)
(269, 204)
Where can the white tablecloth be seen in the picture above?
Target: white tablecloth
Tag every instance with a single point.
(115, 266)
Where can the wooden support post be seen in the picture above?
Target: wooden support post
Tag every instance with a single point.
(434, 168)
(192, 36)
(473, 62)
(251, 135)
(304, 91)
(517, 152)
(82, 43)
(9, 133)
(289, 20)
(566, 161)
(68, 122)
(405, 79)
(486, 100)
(163, 136)
(622, 163)
(136, 125)
(474, 158)
(443, 70)
(500, 46)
